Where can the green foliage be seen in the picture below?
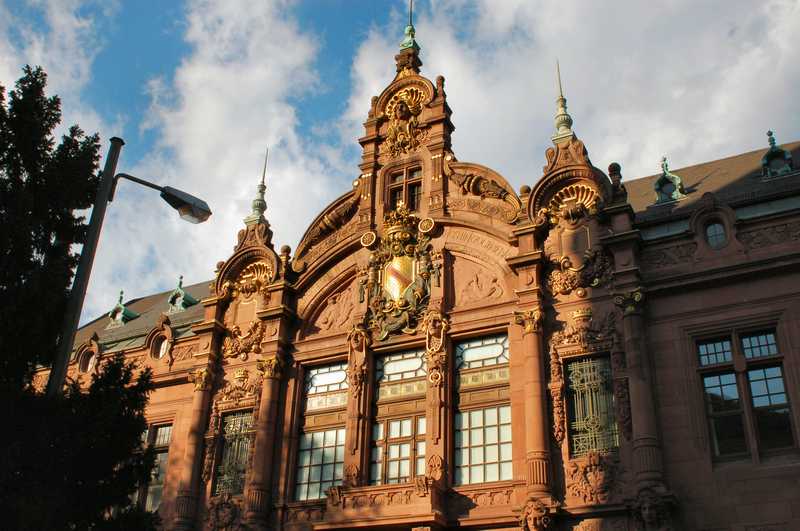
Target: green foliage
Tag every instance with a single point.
(70, 462)
(41, 187)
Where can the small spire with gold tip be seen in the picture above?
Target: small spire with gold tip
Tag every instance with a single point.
(563, 120)
(259, 203)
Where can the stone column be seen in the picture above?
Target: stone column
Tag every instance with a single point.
(259, 480)
(186, 505)
(437, 410)
(537, 440)
(646, 447)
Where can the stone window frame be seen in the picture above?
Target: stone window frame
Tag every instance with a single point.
(410, 176)
(464, 404)
(303, 426)
(740, 366)
(377, 452)
(150, 439)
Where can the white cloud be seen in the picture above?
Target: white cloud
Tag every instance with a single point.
(65, 46)
(236, 91)
(696, 81)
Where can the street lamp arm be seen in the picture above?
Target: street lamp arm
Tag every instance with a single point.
(119, 176)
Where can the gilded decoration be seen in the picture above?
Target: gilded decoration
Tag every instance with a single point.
(482, 187)
(201, 378)
(591, 478)
(405, 133)
(270, 367)
(253, 279)
(630, 302)
(399, 275)
(240, 388)
(529, 320)
(435, 326)
(535, 516)
(224, 514)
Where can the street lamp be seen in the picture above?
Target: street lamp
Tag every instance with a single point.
(189, 207)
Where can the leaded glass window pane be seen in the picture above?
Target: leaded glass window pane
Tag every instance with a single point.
(759, 345)
(320, 463)
(237, 430)
(482, 352)
(326, 379)
(713, 352)
(400, 366)
(483, 445)
(592, 423)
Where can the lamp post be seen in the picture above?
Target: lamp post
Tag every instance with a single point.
(190, 208)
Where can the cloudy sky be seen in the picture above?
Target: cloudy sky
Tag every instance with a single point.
(198, 88)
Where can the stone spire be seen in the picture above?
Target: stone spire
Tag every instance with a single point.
(407, 60)
(563, 120)
(259, 203)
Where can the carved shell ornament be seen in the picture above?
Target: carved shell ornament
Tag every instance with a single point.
(572, 202)
(405, 133)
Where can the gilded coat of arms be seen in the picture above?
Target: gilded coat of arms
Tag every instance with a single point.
(399, 274)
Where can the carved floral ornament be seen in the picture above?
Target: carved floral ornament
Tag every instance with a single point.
(596, 270)
(402, 266)
(405, 133)
(591, 478)
(529, 320)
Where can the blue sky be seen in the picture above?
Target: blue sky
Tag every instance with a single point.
(198, 88)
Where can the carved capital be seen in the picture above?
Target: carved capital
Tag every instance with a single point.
(529, 320)
(270, 367)
(201, 378)
(631, 302)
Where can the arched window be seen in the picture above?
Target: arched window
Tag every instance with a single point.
(715, 235)
(87, 361)
(160, 348)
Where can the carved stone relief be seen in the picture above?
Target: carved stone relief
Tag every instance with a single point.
(535, 516)
(337, 311)
(405, 133)
(595, 270)
(238, 344)
(305, 514)
(622, 407)
(224, 514)
(475, 283)
(653, 511)
(591, 477)
(471, 184)
(757, 238)
(662, 257)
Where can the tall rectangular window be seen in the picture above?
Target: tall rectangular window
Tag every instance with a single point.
(237, 435)
(592, 426)
(397, 450)
(405, 186)
(158, 437)
(320, 456)
(483, 451)
(746, 404)
(483, 445)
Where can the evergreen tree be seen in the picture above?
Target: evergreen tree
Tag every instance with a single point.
(74, 461)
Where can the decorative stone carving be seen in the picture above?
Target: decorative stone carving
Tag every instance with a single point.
(239, 345)
(622, 407)
(352, 476)
(760, 237)
(591, 477)
(224, 514)
(595, 271)
(400, 271)
(357, 341)
(529, 320)
(481, 287)
(435, 326)
(570, 203)
(662, 257)
(536, 516)
(270, 367)
(405, 133)
(461, 502)
(182, 353)
(330, 222)
(435, 467)
(202, 379)
(653, 511)
(483, 187)
(630, 302)
(253, 279)
(240, 387)
(338, 311)
(305, 514)
(584, 334)
(422, 486)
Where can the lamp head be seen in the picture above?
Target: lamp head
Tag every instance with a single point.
(189, 207)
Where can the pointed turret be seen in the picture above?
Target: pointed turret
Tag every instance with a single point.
(259, 203)
(408, 60)
(563, 120)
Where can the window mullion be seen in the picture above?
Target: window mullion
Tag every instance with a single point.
(740, 368)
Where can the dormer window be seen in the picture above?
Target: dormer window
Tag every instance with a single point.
(715, 235)
(406, 186)
(776, 162)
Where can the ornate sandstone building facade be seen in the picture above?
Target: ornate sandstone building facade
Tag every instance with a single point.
(442, 352)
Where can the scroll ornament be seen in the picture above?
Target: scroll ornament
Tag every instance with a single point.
(483, 187)
(630, 302)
